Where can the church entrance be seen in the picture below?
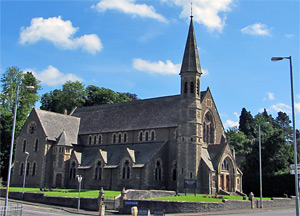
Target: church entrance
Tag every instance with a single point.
(226, 176)
(58, 180)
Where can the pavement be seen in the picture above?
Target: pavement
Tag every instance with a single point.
(112, 212)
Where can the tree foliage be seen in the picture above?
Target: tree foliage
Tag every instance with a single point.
(12, 78)
(73, 94)
(276, 147)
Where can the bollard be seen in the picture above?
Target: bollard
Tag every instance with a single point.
(134, 211)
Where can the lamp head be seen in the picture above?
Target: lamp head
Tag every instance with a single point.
(27, 153)
(29, 87)
(276, 58)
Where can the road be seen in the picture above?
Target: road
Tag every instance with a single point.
(32, 209)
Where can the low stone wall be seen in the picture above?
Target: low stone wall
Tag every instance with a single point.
(85, 203)
(194, 207)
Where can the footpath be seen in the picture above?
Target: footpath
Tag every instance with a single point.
(109, 212)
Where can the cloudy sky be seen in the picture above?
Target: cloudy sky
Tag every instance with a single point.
(137, 46)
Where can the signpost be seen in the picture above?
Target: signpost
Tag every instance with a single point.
(293, 167)
(190, 183)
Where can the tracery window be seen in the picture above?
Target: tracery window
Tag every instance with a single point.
(208, 128)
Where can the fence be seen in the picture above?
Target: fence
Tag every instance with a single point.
(11, 210)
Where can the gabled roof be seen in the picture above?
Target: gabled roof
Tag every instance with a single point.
(140, 153)
(215, 152)
(191, 62)
(54, 124)
(63, 140)
(140, 114)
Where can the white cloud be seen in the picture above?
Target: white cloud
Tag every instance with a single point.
(60, 33)
(230, 123)
(236, 115)
(297, 107)
(129, 7)
(206, 12)
(159, 67)
(270, 96)
(257, 29)
(204, 72)
(280, 107)
(53, 77)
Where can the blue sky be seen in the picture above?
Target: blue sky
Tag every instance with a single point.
(137, 46)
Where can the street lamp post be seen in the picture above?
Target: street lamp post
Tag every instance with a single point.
(294, 130)
(79, 178)
(25, 170)
(12, 146)
(260, 166)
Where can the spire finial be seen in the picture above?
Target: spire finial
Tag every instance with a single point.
(191, 10)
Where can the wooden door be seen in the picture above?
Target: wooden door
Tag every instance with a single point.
(58, 180)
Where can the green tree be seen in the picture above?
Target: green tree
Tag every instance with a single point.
(246, 123)
(238, 140)
(9, 82)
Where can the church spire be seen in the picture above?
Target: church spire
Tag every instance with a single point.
(191, 62)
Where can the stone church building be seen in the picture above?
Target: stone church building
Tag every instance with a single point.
(169, 143)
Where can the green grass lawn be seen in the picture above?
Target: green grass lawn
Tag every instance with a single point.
(67, 192)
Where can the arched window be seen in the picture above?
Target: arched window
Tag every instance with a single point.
(126, 170)
(152, 135)
(192, 87)
(98, 170)
(36, 145)
(95, 139)
(158, 171)
(100, 139)
(198, 87)
(114, 138)
(33, 168)
(21, 169)
(24, 145)
(73, 170)
(125, 137)
(120, 138)
(208, 128)
(90, 140)
(27, 169)
(185, 87)
(146, 135)
(141, 136)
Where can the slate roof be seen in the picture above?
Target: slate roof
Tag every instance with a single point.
(143, 153)
(140, 114)
(215, 152)
(191, 62)
(54, 124)
(63, 140)
(206, 158)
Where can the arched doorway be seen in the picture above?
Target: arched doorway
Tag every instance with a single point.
(226, 175)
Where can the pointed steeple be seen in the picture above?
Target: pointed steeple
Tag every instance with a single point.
(191, 62)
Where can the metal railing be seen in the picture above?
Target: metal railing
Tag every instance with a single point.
(11, 210)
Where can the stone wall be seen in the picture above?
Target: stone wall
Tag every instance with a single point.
(194, 207)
